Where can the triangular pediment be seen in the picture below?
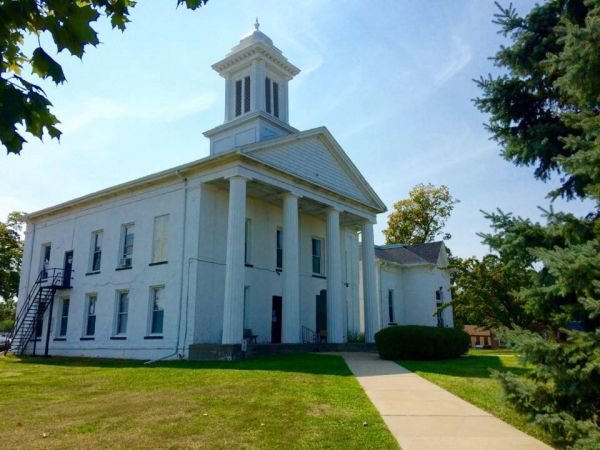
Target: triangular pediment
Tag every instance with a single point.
(315, 156)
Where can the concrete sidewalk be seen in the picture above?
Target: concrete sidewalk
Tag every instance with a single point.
(422, 415)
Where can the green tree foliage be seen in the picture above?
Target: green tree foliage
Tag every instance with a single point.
(23, 104)
(11, 252)
(8, 309)
(421, 217)
(545, 112)
(486, 292)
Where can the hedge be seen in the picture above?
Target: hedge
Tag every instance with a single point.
(421, 342)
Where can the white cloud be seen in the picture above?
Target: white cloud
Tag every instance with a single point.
(460, 57)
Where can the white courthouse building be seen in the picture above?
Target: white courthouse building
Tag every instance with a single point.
(260, 242)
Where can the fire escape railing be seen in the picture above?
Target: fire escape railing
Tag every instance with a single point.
(40, 296)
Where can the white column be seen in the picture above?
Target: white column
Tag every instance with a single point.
(233, 304)
(291, 270)
(335, 300)
(369, 282)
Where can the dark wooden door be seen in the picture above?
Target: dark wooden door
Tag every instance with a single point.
(68, 268)
(276, 317)
(322, 313)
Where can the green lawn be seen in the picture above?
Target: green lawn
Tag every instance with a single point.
(295, 401)
(469, 378)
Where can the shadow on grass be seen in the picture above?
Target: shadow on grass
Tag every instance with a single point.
(300, 362)
(469, 367)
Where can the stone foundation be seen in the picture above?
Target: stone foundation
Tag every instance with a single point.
(229, 352)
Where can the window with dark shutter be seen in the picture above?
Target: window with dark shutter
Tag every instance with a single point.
(317, 245)
(391, 305)
(279, 246)
(268, 95)
(276, 99)
(246, 94)
(238, 97)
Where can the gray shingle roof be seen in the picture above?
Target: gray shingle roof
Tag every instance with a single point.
(410, 254)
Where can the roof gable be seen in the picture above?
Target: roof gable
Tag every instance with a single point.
(315, 156)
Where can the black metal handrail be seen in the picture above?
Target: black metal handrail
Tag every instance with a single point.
(47, 280)
(308, 336)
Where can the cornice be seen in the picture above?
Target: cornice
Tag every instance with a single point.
(257, 49)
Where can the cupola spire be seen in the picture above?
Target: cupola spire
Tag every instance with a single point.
(256, 92)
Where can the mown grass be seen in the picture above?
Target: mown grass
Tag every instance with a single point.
(470, 379)
(293, 401)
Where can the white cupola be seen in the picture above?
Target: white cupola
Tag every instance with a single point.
(256, 93)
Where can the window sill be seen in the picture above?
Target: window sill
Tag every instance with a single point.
(60, 338)
(123, 268)
(118, 338)
(249, 265)
(87, 338)
(96, 272)
(159, 263)
(153, 337)
(322, 277)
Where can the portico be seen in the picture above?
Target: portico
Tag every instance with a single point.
(291, 204)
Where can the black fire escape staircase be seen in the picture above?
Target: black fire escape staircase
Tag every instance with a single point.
(31, 315)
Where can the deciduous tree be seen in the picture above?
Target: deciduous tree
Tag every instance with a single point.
(486, 292)
(24, 106)
(8, 309)
(11, 252)
(421, 217)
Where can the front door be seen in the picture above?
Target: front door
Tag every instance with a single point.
(68, 268)
(276, 316)
(322, 316)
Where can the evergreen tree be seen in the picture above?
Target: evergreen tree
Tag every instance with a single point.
(545, 112)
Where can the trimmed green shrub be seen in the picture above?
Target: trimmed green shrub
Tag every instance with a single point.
(421, 342)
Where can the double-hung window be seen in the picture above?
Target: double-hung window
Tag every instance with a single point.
(242, 96)
(158, 309)
(439, 301)
(45, 260)
(159, 240)
(122, 312)
(90, 315)
(63, 319)
(317, 256)
(279, 249)
(96, 251)
(126, 251)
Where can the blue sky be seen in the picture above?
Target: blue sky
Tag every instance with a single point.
(392, 80)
